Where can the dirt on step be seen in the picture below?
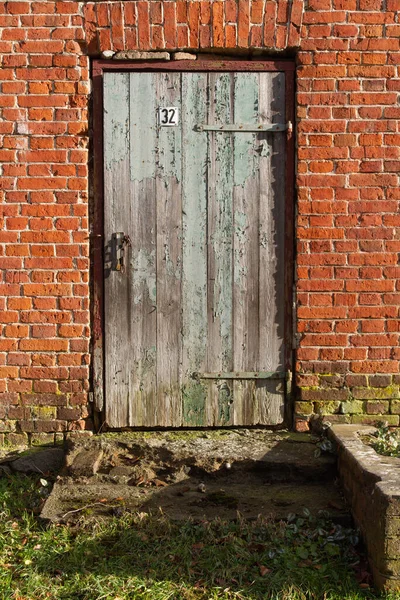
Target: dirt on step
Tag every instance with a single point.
(199, 475)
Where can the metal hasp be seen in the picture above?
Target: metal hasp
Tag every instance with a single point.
(120, 241)
(246, 128)
(242, 375)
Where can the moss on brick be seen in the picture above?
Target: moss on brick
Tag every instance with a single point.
(7, 426)
(352, 407)
(327, 408)
(379, 402)
(304, 408)
(367, 393)
(43, 412)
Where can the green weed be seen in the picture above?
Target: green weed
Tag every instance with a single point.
(386, 441)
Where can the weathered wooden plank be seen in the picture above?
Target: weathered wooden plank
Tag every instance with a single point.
(194, 223)
(220, 240)
(116, 288)
(169, 257)
(271, 247)
(141, 204)
(246, 263)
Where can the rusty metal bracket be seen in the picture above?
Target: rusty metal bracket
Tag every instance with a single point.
(242, 375)
(246, 128)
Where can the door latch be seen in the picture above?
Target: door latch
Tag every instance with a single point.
(120, 242)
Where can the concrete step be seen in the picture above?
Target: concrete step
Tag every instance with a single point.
(200, 475)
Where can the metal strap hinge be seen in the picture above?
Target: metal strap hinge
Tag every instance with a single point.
(246, 128)
(242, 375)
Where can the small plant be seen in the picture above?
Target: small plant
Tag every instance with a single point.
(324, 445)
(386, 441)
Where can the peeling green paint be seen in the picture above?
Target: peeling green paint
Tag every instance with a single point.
(143, 125)
(116, 117)
(223, 228)
(194, 220)
(170, 138)
(246, 111)
(194, 396)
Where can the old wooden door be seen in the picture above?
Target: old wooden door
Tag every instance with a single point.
(194, 256)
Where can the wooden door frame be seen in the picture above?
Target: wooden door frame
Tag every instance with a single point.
(228, 64)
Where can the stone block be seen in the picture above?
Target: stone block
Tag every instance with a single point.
(40, 461)
(138, 55)
(392, 547)
(184, 56)
(374, 419)
(86, 463)
(352, 407)
(392, 527)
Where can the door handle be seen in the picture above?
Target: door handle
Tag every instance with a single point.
(120, 242)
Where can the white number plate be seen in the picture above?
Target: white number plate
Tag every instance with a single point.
(168, 116)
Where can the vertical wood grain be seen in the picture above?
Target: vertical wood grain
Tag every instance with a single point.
(116, 285)
(246, 256)
(220, 238)
(169, 257)
(270, 393)
(141, 200)
(194, 222)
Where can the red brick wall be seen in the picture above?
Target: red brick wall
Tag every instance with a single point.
(44, 303)
(348, 286)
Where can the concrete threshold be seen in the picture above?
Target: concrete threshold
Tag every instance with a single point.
(196, 474)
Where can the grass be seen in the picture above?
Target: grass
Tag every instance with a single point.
(148, 557)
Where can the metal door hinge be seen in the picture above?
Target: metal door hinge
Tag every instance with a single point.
(246, 127)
